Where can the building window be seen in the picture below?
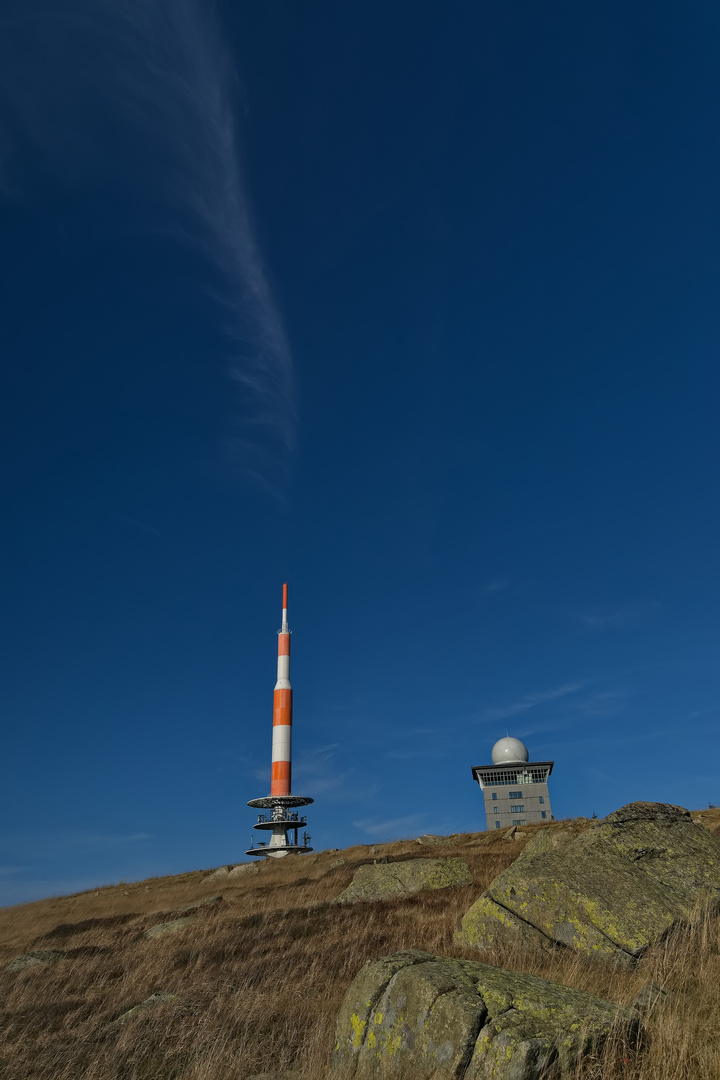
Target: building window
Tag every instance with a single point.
(497, 824)
(523, 822)
(496, 809)
(502, 777)
(543, 813)
(541, 799)
(514, 794)
(517, 809)
(494, 795)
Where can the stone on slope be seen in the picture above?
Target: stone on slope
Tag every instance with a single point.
(33, 959)
(381, 880)
(170, 927)
(276, 1076)
(610, 891)
(415, 1014)
(158, 998)
(649, 996)
(208, 901)
(432, 839)
(221, 872)
(242, 869)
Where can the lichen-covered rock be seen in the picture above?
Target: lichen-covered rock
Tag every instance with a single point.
(35, 958)
(487, 924)
(415, 1014)
(170, 927)
(381, 880)
(609, 891)
(430, 839)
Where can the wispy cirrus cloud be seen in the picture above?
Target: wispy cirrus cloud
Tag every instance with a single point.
(428, 751)
(140, 97)
(80, 842)
(592, 706)
(606, 703)
(393, 827)
(530, 701)
(134, 524)
(497, 586)
(607, 618)
(317, 774)
(318, 770)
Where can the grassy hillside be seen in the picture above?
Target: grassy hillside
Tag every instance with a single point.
(259, 976)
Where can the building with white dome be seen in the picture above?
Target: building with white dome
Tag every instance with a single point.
(515, 789)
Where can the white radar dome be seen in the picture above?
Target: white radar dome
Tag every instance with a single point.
(509, 751)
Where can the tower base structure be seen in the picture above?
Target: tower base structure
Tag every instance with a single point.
(283, 823)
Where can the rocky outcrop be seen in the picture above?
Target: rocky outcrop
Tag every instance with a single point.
(33, 959)
(609, 891)
(382, 880)
(430, 840)
(415, 1014)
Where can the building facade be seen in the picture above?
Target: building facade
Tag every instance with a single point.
(514, 788)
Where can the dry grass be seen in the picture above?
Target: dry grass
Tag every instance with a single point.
(260, 977)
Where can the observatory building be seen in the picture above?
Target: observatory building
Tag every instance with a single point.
(515, 789)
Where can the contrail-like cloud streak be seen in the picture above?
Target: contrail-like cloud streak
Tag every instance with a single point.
(141, 95)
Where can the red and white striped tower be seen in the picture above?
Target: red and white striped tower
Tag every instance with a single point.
(282, 820)
(282, 713)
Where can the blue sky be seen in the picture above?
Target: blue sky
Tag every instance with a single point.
(413, 307)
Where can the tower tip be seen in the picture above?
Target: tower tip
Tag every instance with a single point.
(285, 596)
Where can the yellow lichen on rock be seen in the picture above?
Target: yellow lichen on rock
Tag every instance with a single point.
(358, 1027)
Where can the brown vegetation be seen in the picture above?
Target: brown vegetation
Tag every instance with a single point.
(259, 977)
